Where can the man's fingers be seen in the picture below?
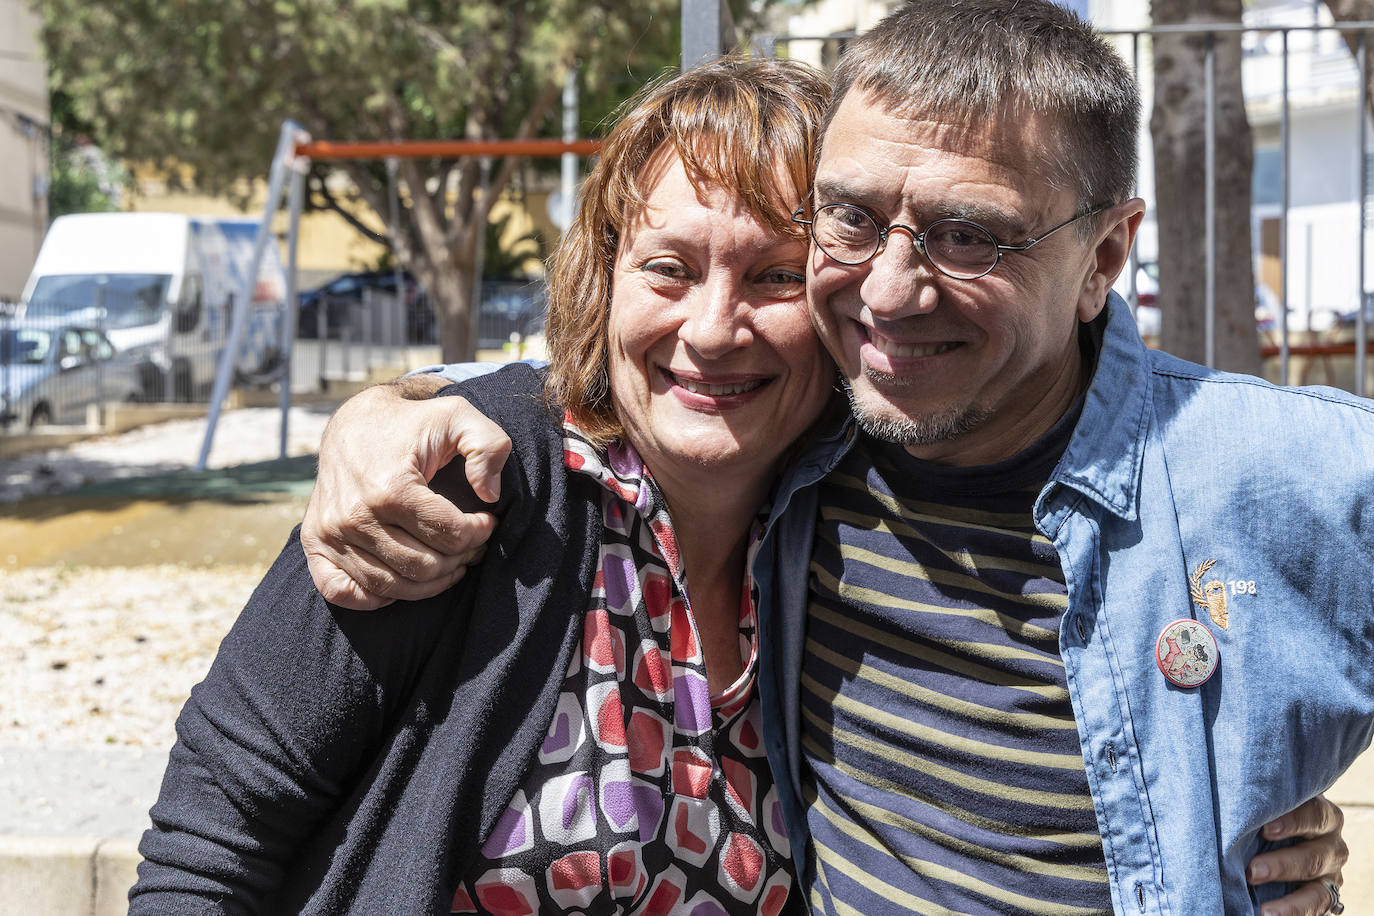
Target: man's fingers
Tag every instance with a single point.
(483, 471)
(1316, 859)
(338, 587)
(406, 573)
(409, 556)
(484, 446)
(432, 520)
(1305, 861)
(351, 578)
(1312, 899)
(1313, 817)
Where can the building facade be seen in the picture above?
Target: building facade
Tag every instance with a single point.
(24, 135)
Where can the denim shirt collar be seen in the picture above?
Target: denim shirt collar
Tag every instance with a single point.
(1104, 457)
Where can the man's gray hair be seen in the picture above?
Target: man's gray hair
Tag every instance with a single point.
(989, 62)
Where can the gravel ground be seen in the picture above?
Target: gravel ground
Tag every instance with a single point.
(94, 657)
(98, 657)
(95, 663)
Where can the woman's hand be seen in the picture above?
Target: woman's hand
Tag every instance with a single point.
(374, 532)
(1317, 859)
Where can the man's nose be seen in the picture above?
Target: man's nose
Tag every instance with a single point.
(901, 281)
(718, 321)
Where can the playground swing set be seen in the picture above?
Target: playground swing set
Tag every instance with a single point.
(290, 163)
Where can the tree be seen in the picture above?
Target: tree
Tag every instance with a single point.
(1357, 11)
(83, 180)
(207, 84)
(1178, 126)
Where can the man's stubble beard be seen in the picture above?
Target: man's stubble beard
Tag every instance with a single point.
(901, 429)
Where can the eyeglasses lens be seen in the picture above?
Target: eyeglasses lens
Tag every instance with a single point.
(960, 248)
(846, 234)
(955, 247)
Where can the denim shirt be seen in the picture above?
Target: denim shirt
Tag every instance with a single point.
(1170, 466)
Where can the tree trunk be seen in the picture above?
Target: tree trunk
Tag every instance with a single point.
(451, 293)
(1178, 125)
(1358, 11)
(449, 282)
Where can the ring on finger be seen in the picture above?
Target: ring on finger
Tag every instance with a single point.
(1336, 908)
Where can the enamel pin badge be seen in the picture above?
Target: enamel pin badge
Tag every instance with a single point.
(1186, 652)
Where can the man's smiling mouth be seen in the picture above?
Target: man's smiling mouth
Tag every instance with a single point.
(890, 347)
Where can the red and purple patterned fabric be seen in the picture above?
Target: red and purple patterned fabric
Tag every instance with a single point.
(649, 796)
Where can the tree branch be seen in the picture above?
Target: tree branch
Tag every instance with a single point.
(326, 201)
(533, 118)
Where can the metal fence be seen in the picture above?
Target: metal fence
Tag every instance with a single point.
(63, 363)
(345, 337)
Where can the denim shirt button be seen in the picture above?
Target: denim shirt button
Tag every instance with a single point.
(1080, 629)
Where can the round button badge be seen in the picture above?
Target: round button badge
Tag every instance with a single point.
(1187, 653)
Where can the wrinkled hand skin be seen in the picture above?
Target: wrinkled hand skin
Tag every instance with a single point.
(374, 532)
(1318, 857)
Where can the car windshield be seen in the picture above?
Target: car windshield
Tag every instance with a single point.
(25, 345)
(128, 300)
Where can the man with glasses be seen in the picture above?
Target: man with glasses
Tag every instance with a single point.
(1055, 624)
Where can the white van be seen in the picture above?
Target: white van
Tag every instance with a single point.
(162, 287)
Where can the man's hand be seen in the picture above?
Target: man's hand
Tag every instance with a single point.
(1317, 859)
(374, 532)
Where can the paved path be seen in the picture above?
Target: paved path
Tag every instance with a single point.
(98, 793)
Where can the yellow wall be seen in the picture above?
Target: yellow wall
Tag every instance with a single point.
(328, 245)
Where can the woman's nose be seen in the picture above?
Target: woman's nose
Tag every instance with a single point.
(718, 322)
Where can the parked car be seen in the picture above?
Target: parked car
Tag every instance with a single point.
(341, 299)
(509, 307)
(50, 372)
(164, 287)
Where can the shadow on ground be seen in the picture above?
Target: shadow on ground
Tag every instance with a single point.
(231, 516)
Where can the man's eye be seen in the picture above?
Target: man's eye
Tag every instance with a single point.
(782, 277)
(851, 219)
(958, 235)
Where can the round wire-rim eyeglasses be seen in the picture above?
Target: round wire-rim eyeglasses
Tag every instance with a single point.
(958, 248)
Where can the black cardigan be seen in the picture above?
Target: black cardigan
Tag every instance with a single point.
(339, 761)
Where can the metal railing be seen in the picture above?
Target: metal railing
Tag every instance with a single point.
(346, 337)
(63, 363)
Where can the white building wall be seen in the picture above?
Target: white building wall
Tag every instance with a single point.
(827, 18)
(23, 145)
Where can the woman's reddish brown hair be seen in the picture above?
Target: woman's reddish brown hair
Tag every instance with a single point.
(741, 124)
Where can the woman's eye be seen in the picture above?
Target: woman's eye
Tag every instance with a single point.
(670, 269)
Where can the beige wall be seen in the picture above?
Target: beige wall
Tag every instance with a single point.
(23, 145)
(328, 245)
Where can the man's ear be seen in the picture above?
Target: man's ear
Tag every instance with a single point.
(1110, 253)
